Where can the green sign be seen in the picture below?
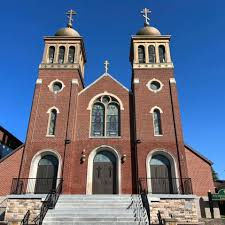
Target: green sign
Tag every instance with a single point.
(219, 196)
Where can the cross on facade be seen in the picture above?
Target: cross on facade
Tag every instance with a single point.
(70, 15)
(145, 13)
(106, 66)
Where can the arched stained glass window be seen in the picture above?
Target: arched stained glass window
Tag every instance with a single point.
(71, 54)
(112, 127)
(51, 54)
(151, 52)
(98, 120)
(105, 117)
(157, 122)
(141, 54)
(52, 122)
(61, 54)
(162, 54)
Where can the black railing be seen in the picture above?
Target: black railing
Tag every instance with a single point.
(26, 218)
(144, 198)
(49, 203)
(166, 185)
(33, 185)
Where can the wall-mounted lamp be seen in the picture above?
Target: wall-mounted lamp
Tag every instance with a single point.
(123, 158)
(83, 157)
(138, 141)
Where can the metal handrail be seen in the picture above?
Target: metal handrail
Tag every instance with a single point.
(49, 203)
(166, 185)
(26, 218)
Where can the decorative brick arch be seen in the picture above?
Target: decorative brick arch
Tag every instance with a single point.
(90, 167)
(101, 94)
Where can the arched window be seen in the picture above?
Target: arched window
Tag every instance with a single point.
(71, 54)
(157, 122)
(51, 54)
(151, 52)
(141, 54)
(161, 175)
(61, 54)
(162, 54)
(52, 122)
(105, 117)
(46, 178)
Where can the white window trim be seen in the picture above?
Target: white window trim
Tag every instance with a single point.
(149, 85)
(173, 163)
(90, 124)
(34, 167)
(49, 112)
(50, 86)
(90, 167)
(152, 112)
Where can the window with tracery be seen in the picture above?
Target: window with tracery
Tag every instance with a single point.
(157, 122)
(52, 122)
(61, 54)
(152, 55)
(51, 54)
(141, 54)
(162, 54)
(71, 54)
(105, 117)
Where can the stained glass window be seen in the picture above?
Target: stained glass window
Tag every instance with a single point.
(152, 56)
(105, 117)
(71, 54)
(141, 54)
(98, 120)
(52, 122)
(157, 122)
(51, 54)
(162, 54)
(61, 54)
(112, 127)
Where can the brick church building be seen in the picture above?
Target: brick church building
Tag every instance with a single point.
(104, 138)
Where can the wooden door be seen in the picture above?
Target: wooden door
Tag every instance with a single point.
(104, 174)
(46, 175)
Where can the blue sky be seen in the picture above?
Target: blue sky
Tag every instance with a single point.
(197, 28)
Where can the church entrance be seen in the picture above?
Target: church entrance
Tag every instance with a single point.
(46, 174)
(161, 176)
(104, 173)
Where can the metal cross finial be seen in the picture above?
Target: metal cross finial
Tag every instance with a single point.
(106, 66)
(145, 13)
(70, 15)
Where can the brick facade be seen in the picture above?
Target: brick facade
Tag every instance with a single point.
(200, 172)
(136, 143)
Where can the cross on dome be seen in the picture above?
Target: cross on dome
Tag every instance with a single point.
(70, 15)
(145, 13)
(106, 63)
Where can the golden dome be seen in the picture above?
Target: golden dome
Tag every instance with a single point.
(67, 32)
(147, 30)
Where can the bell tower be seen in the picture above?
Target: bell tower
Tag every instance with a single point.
(52, 122)
(157, 116)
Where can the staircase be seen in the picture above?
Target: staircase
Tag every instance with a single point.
(97, 210)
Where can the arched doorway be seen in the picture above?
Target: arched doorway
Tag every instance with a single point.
(47, 171)
(104, 173)
(162, 181)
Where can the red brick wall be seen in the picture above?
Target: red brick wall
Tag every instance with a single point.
(9, 168)
(166, 99)
(200, 173)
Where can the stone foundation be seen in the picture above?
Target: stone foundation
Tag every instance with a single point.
(182, 210)
(17, 208)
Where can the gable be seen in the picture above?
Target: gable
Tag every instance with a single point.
(106, 80)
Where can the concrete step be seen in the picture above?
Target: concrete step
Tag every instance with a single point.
(91, 219)
(94, 223)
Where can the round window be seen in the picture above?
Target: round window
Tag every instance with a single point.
(155, 85)
(57, 86)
